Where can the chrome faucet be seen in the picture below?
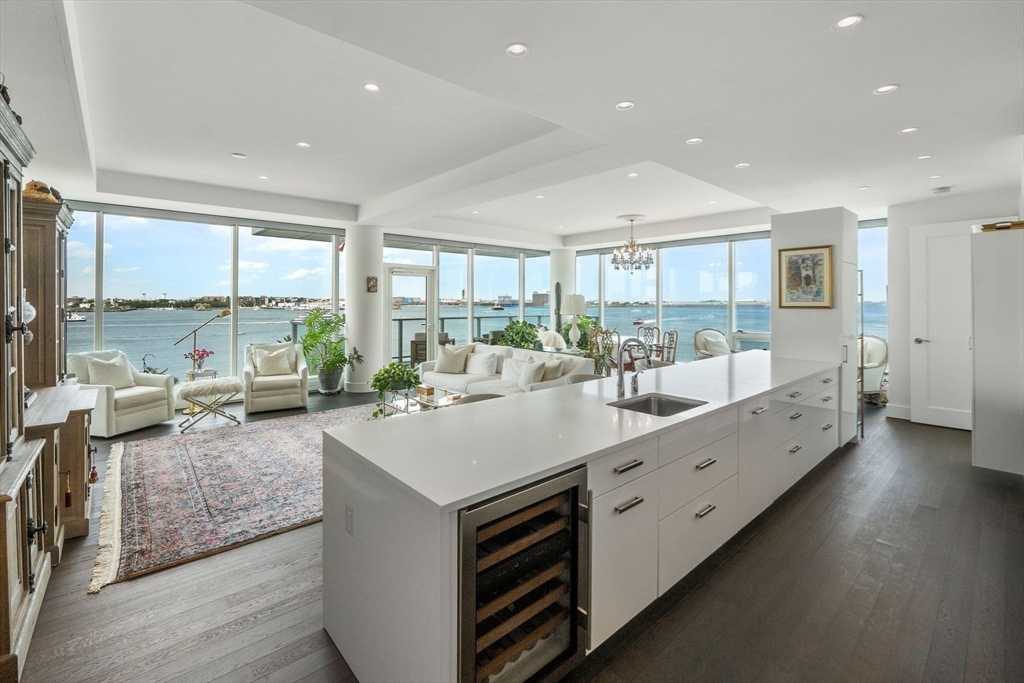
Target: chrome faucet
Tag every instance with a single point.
(628, 343)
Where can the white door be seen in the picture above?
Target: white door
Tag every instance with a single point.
(941, 367)
(410, 295)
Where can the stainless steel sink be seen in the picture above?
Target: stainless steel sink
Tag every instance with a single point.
(659, 405)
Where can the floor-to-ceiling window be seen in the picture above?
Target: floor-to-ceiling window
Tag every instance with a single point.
(537, 286)
(81, 281)
(630, 297)
(752, 294)
(452, 284)
(279, 280)
(588, 282)
(161, 279)
(495, 290)
(695, 289)
(873, 259)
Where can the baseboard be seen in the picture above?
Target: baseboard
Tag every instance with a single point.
(898, 412)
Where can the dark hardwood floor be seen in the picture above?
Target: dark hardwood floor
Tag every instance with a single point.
(894, 560)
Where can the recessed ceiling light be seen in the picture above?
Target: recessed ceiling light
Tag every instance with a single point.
(909, 130)
(516, 50)
(239, 155)
(712, 202)
(863, 187)
(848, 22)
(743, 165)
(632, 175)
(934, 177)
(476, 212)
(925, 156)
(302, 144)
(263, 177)
(694, 141)
(623, 106)
(540, 196)
(886, 89)
(561, 226)
(371, 87)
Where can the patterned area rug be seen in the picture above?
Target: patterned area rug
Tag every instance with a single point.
(187, 496)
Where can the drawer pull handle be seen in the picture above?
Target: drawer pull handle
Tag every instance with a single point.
(628, 466)
(826, 427)
(796, 416)
(630, 505)
(827, 399)
(794, 449)
(795, 394)
(707, 463)
(759, 411)
(706, 511)
(827, 380)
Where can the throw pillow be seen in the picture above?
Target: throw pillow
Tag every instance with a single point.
(481, 364)
(717, 346)
(531, 374)
(512, 369)
(270, 363)
(116, 372)
(552, 369)
(451, 360)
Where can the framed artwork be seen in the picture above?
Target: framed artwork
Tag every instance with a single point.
(805, 277)
(371, 284)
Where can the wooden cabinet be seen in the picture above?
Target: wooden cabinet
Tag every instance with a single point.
(45, 233)
(624, 555)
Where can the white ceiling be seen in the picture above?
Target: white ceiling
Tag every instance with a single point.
(142, 102)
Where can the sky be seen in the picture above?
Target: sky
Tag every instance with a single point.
(184, 260)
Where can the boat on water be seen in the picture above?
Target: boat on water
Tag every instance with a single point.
(497, 307)
(641, 321)
(75, 318)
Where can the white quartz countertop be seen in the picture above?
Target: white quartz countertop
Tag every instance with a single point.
(458, 456)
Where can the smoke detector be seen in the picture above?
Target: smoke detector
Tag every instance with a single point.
(942, 190)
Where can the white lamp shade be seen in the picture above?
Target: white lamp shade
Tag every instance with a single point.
(574, 304)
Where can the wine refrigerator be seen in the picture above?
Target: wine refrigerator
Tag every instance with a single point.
(524, 582)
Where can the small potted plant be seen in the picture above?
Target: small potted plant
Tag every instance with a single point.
(198, 358)
(520, 335)
(324, 346)
(392, 377)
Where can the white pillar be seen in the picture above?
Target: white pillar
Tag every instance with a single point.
(364, 311)
(563, 271)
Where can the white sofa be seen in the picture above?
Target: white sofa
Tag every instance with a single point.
(117, 411)
(275, 392)
(494, 384)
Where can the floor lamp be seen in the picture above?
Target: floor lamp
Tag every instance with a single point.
(574, 305)
(224, 312)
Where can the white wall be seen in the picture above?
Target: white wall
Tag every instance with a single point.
(976, 207)
(563, 270)
(364, 311)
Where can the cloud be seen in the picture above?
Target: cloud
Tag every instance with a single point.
(224, 283)
(79, 250)
(87, 270)
(132, 269)
(246, 265)
(303, 273)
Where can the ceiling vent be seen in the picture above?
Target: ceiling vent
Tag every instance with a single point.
(942, 190)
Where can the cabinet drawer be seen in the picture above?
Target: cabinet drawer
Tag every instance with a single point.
(688, 437)
(788, 423)
(755, 409)
(623, 466)
(827, 398)
(787, 397)
(690, 534)
(624, 555)
(696, 474)
(826, 380)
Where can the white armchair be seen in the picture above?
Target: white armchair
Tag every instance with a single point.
(709, 342)
(876, 358)
(117, 411)
(275, 392)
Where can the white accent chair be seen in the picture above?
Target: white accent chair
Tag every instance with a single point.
(876, 358)
(709, 342)
(275, 392)
(149, 402)
(550, 339)
(583, 377)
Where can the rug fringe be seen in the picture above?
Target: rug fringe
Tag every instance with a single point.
(108, 559)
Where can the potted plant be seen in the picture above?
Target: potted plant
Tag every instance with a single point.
(392, 377)
(520, 334)
(583, 323)
(324, 347)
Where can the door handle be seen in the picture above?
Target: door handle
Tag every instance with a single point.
(706, 511)
(918, 340)
(628, 466)
(707, 463)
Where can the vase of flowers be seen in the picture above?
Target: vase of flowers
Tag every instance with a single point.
(198, 357)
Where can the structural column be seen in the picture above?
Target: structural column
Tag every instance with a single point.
(563, 271)
(364, 310)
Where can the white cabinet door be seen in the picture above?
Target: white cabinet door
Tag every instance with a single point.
(690, 476)
(624, 555)
(689, 535)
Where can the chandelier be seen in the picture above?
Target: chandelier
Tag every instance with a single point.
(631, 256)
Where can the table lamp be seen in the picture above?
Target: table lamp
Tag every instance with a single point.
(574, 305)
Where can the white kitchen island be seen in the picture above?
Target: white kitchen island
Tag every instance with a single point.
(393, 489)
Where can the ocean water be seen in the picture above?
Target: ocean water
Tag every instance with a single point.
(154, 331)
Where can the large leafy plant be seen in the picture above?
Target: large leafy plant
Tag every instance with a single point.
(584, 324)
(392, 377)
(324, 344)
(520, 334)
